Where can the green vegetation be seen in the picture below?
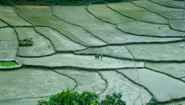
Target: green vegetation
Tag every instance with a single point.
(86, 98)
(114, 99)
(8, 64)
(26, 42)
(48, 2)
(171, 102)
(152, 101)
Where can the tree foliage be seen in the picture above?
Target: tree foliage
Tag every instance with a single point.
(152, 101)
(55, 2)
(86, 98)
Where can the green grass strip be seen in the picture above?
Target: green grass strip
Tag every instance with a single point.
(8, 64)
(26, 42)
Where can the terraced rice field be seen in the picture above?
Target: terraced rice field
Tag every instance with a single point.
(140, 44)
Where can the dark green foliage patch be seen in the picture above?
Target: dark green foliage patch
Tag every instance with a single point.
(85, 98)
(55, 2)
(152, 101)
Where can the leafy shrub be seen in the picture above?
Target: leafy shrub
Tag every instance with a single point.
(86, 98)
(152, 101)
(4, 2)
(115, 99)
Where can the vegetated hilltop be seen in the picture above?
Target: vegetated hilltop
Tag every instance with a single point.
(54, 2)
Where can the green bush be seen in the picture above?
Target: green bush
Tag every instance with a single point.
(86, 98)
(114, 99)
(152, 101)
